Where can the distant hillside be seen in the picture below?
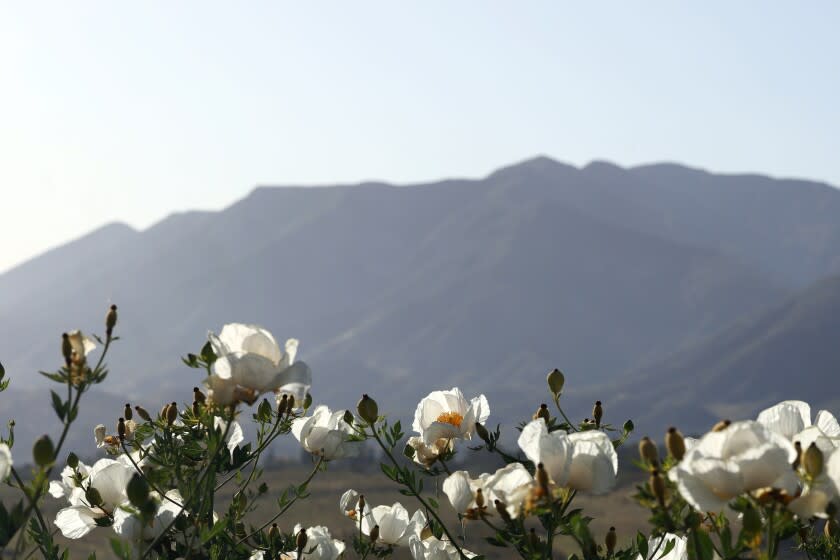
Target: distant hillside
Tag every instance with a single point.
(484, 283)
(789, 351)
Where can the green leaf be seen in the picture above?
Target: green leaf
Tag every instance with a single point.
(669, 546)
(58, 405)
(642, 545)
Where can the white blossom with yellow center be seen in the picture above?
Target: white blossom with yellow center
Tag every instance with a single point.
(449, 415)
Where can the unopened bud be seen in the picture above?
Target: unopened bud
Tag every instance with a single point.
(239, 530)
(812, 461)
(348, 417)
(648, 451)
(657, 487)
(597, 413)
(137, 490)
(43, 451)
(121, 428)
(542, 412)
(93, 497)
(751, 520)
(479, 498)
(142, 413)
(72, 460)
(501, 509)
(722, 425)
(281, 405)
(482, 432)
(273, 533)
(798, 461)
(675, 443)
(556, 380)
(300, 541)
(66, 349)
(198, 396)
(426, 533)
(374, 534)
(368, 410)
(831, 529)
(290, 404)
(196, 408)
(361, 504)
(110, 320)
(307, 401)
(127, 412)
(611, 540)
(171, 413)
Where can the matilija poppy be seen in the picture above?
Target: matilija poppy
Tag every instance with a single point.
(433, 548)
(724, 464)
(131, 528)
(792, 419)
(319, 546)
(5, 461)
(326, 434)
(449, 415)
(63, 487)
(395, 526)
(250, 362)
(109, 478)
(658, 545)
(509, 485)
(426, 454)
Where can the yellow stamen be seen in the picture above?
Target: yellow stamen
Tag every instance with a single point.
(451, 418)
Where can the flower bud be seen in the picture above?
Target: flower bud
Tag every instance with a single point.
(72, 460)
(426, 533)
(556, 380)
(127, 412)
(368, 409)
(501, 509)
(648, 451)
(722, 425)
(812, 461)
(374, 534)
(831, 529)
(137, 490)
(198, 396)
(300, 541)
(171, 413)
(597, 413)
(239, 530)
(479, 498)
(93, 497)
(798, 460)
(43, 451)
(657, 487)
(273, 533)
(66, 349)
(482, 432)
(348, 417)
(163, 410)
(307, 402)
(121, 429)
(110, 320)
(675, 443)
(281, 404)
(751, 521)
(142, 413)
(361, 504)
(290, 404)
(611, 540)
(542, 412)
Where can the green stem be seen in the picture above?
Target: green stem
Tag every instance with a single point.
(34, 506)
(563, 414)
(417, 494)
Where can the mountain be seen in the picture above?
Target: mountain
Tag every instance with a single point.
(789, 351)
(485, 284)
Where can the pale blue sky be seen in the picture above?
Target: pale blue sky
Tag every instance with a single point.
(131, 110)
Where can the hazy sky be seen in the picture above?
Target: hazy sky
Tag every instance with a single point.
(131, 110)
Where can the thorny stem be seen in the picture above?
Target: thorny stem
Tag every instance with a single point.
(33, 506)
(143, 475)
(417, 494)
(288, 505)
(563, 414)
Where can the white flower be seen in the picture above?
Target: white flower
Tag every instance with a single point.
(744, 456)
(62, 487)
(594, 465)
(509, 485)
(434, 549)
(319, 545)
(553, 450)
(111, 442)
(349, 504)
(395, 527)
(234, 436)
(249, 361)
(131, 528)
(659, 544)
(792, 419)
(109, 478)
(448, 415)
(820, 492)
(81, 344)
(325, 433)
(427, 454)
(5, 461)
